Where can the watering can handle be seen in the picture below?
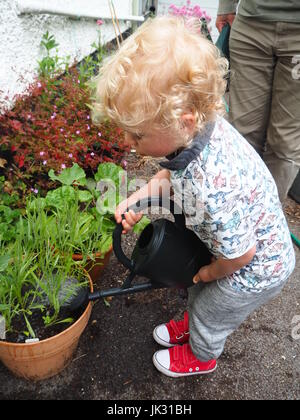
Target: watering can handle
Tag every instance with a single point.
(137, 207)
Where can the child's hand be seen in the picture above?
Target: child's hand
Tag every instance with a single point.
(203, 275)
(131, 218)
(220, 268)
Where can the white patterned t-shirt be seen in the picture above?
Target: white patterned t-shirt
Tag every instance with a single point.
(237, 207)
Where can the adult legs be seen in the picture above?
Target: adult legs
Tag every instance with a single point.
(282, 155)
(252, 71)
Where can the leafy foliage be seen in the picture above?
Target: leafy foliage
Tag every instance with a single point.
(50, 126)
(37, 263)
(8, 214)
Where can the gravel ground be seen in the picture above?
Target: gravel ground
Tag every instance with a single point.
(114, 358)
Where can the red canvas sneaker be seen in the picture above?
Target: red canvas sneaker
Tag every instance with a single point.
(180, 361)
(173, 333)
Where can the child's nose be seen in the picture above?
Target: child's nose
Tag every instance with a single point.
(129, 141)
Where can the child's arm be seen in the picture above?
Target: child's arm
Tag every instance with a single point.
(159, 183)
(221, 268)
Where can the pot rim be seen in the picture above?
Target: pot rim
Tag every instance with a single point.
(96, 254)
(87, 309)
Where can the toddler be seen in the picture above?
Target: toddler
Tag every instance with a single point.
(165, 88)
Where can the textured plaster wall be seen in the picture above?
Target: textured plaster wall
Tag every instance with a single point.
(20, 37)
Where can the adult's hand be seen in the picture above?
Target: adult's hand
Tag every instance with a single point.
(223, 19)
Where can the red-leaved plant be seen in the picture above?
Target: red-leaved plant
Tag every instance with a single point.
(50, 128)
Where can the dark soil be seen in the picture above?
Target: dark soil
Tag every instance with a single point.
(114, 357)
(20, 330)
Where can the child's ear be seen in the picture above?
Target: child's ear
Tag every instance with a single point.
(188, 123)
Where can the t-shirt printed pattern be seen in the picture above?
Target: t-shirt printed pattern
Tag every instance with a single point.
(237, 207)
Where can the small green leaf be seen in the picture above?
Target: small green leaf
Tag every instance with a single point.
(4, 261)
(84, 196)
(112, 172)
(58, 198)
(65, 321)
(31, 332)
(69, 176)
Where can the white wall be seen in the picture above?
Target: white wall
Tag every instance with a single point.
(210, 6)
(20, 37)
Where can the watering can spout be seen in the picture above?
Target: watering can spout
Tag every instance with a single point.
(121, 291)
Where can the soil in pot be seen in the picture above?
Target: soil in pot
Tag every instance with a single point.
(41, 331)
(47, 357)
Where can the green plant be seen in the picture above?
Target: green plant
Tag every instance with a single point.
(18, 297)
(93, 210)
(90, 65)
(51, 65)
(34, 277)
(52, 236)
(37, 270)
(9, 213)
(50, 124)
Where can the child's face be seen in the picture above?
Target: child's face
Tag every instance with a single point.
(152, 142)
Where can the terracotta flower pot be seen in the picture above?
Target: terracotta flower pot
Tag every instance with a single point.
(95, 268)
(46, 358)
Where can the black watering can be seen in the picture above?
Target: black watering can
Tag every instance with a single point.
(167, 253)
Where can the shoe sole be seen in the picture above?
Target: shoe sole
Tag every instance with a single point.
(159, 340)
(171, 374)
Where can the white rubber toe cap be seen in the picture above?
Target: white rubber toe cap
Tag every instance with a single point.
(163, 358)
(161, 335)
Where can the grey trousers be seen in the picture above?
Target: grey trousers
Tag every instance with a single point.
(216, 310)
(264, 95)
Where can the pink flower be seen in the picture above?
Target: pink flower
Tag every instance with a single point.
(42, 153)
(77, 132)
(92, 154)
(44, 162)
(99, 134)
(70, 155)
(188, 11)
(100, 22)
(63, 166)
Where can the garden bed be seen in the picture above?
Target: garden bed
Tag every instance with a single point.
(114, 357)
(50, 125)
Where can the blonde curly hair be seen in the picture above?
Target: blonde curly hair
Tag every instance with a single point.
(162, 71)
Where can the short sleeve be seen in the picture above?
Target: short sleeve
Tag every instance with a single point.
(227, 6)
